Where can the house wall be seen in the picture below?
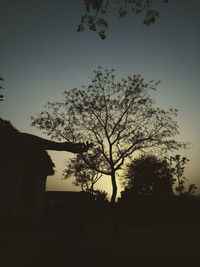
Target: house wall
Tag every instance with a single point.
(22, 193)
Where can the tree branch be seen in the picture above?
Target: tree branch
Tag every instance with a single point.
(93, 167)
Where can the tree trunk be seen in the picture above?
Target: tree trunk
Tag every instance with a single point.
(114, 186)
(114, 211)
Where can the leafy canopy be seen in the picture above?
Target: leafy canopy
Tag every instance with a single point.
(149, 175)
(118, 117)
(111, 114)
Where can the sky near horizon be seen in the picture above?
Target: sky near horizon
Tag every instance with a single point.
(42, 55)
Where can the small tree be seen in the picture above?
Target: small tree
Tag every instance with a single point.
(149, 176)
(178, 166)
(85, 177)
(95, 20)
(118, 117)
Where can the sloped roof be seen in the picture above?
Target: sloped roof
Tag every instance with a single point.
(14, 151)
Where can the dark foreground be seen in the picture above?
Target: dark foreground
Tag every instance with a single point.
(98, 245)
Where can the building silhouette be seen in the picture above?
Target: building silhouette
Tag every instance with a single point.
(24, 167)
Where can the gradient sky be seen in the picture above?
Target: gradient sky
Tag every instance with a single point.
(42, 55)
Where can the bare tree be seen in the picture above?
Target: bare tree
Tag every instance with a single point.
(118, 117)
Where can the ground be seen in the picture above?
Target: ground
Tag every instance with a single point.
(99, 246)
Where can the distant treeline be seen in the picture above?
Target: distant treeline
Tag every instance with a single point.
(174, 211)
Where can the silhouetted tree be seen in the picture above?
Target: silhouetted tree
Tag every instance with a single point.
(178, 166)
(85, 177)
(149, 176)
(118, 117)
(95, 20)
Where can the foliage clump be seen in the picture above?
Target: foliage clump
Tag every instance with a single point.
(150, 175)
(95, 20)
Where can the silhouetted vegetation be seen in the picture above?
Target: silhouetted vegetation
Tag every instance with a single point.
(77, 222)
(118, 117)
(149, 197)
(1, 96)
(149, 176)
(177, 164)
(85, 177)
(83, 210)
(156, 217)
(95, 17)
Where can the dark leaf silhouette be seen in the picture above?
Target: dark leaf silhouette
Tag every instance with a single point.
(178, 166)
(149, 175)
(94, 18)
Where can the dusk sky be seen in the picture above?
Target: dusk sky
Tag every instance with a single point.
(42, 54)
